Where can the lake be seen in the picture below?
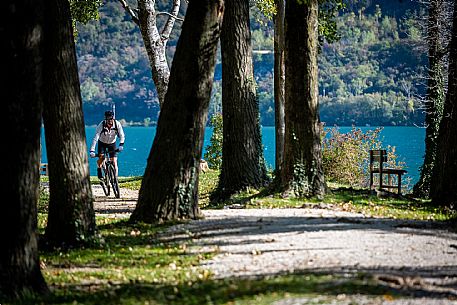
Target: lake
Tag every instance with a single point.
(409, 142)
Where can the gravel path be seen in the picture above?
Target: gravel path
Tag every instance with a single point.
(116, 207)
(413, 256)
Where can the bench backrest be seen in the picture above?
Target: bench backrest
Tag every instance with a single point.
(378, 156)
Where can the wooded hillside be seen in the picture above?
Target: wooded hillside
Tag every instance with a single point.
(370, 76)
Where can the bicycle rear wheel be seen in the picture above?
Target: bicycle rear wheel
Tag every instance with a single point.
(113, 180)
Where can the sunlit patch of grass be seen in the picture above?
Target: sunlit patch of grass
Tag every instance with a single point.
(352, 200)
(133, 183)
(392, 207)
(371, 207)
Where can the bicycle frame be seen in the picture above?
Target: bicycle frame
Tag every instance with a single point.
(109, 175)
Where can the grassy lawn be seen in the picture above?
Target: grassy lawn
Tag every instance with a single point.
(131, 265)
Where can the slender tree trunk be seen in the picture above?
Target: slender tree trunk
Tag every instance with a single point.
(443, 190)
(434, 100)
(21, 38)
(243, 163)
(279, 84)
(71, 218)
(155, 46)
(169, 189)
(302, 172)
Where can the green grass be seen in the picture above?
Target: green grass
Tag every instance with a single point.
(340, 197)
(360, 201)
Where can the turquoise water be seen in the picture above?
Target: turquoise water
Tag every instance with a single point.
(409, 142)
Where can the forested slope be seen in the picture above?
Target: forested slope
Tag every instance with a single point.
(370, 76)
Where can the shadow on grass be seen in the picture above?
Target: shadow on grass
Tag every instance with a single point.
(328, 284)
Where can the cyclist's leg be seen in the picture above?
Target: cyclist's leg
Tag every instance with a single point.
(101, 148)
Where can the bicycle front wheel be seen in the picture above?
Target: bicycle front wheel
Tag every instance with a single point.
(113, 180)
(104, 182)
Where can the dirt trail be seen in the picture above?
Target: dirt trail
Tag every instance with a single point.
(118, 207)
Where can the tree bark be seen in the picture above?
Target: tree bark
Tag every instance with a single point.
(279, 84)
(302, 172)
(71, 219)
(155, 46)
(434, 99)
(243, 164)
(443, 190)
(169, 190)
(21, 37)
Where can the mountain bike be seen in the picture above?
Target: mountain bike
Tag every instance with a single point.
(109, 179)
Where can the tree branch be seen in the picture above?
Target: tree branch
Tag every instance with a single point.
(172, 17)
(130, 11)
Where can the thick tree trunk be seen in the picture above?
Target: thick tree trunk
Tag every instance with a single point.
(243, 163)
(71, 219)
(169, 189)
(21, 37)
(434, 99)
(443, 190)
(279, 84)
(302, 172)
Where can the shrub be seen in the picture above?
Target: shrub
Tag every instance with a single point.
(213, 154)
(346, 155)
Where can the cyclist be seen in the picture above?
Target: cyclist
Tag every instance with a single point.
(106, 135)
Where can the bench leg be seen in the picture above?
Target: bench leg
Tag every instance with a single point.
(399, 184)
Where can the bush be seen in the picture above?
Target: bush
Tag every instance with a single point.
(213, 154)
(346, 155)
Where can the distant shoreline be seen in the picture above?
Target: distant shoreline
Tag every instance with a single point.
(328, 126)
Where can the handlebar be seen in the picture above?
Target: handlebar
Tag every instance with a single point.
(106, 151)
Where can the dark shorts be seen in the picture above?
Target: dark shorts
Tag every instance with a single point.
(111, 148)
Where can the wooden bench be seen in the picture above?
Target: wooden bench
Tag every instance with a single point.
(377, 159)
(44, 169)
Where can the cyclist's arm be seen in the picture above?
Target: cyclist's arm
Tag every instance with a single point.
(121, 134)
(98, 130)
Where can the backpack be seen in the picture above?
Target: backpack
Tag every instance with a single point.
(105, 127)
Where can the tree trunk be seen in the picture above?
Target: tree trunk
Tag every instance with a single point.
(443, 190)
(155, 46)
(243, 164)
(169, 190)
(71, 218)
(434, 99)
(21, 37)
(302, 172)
(279, 84)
